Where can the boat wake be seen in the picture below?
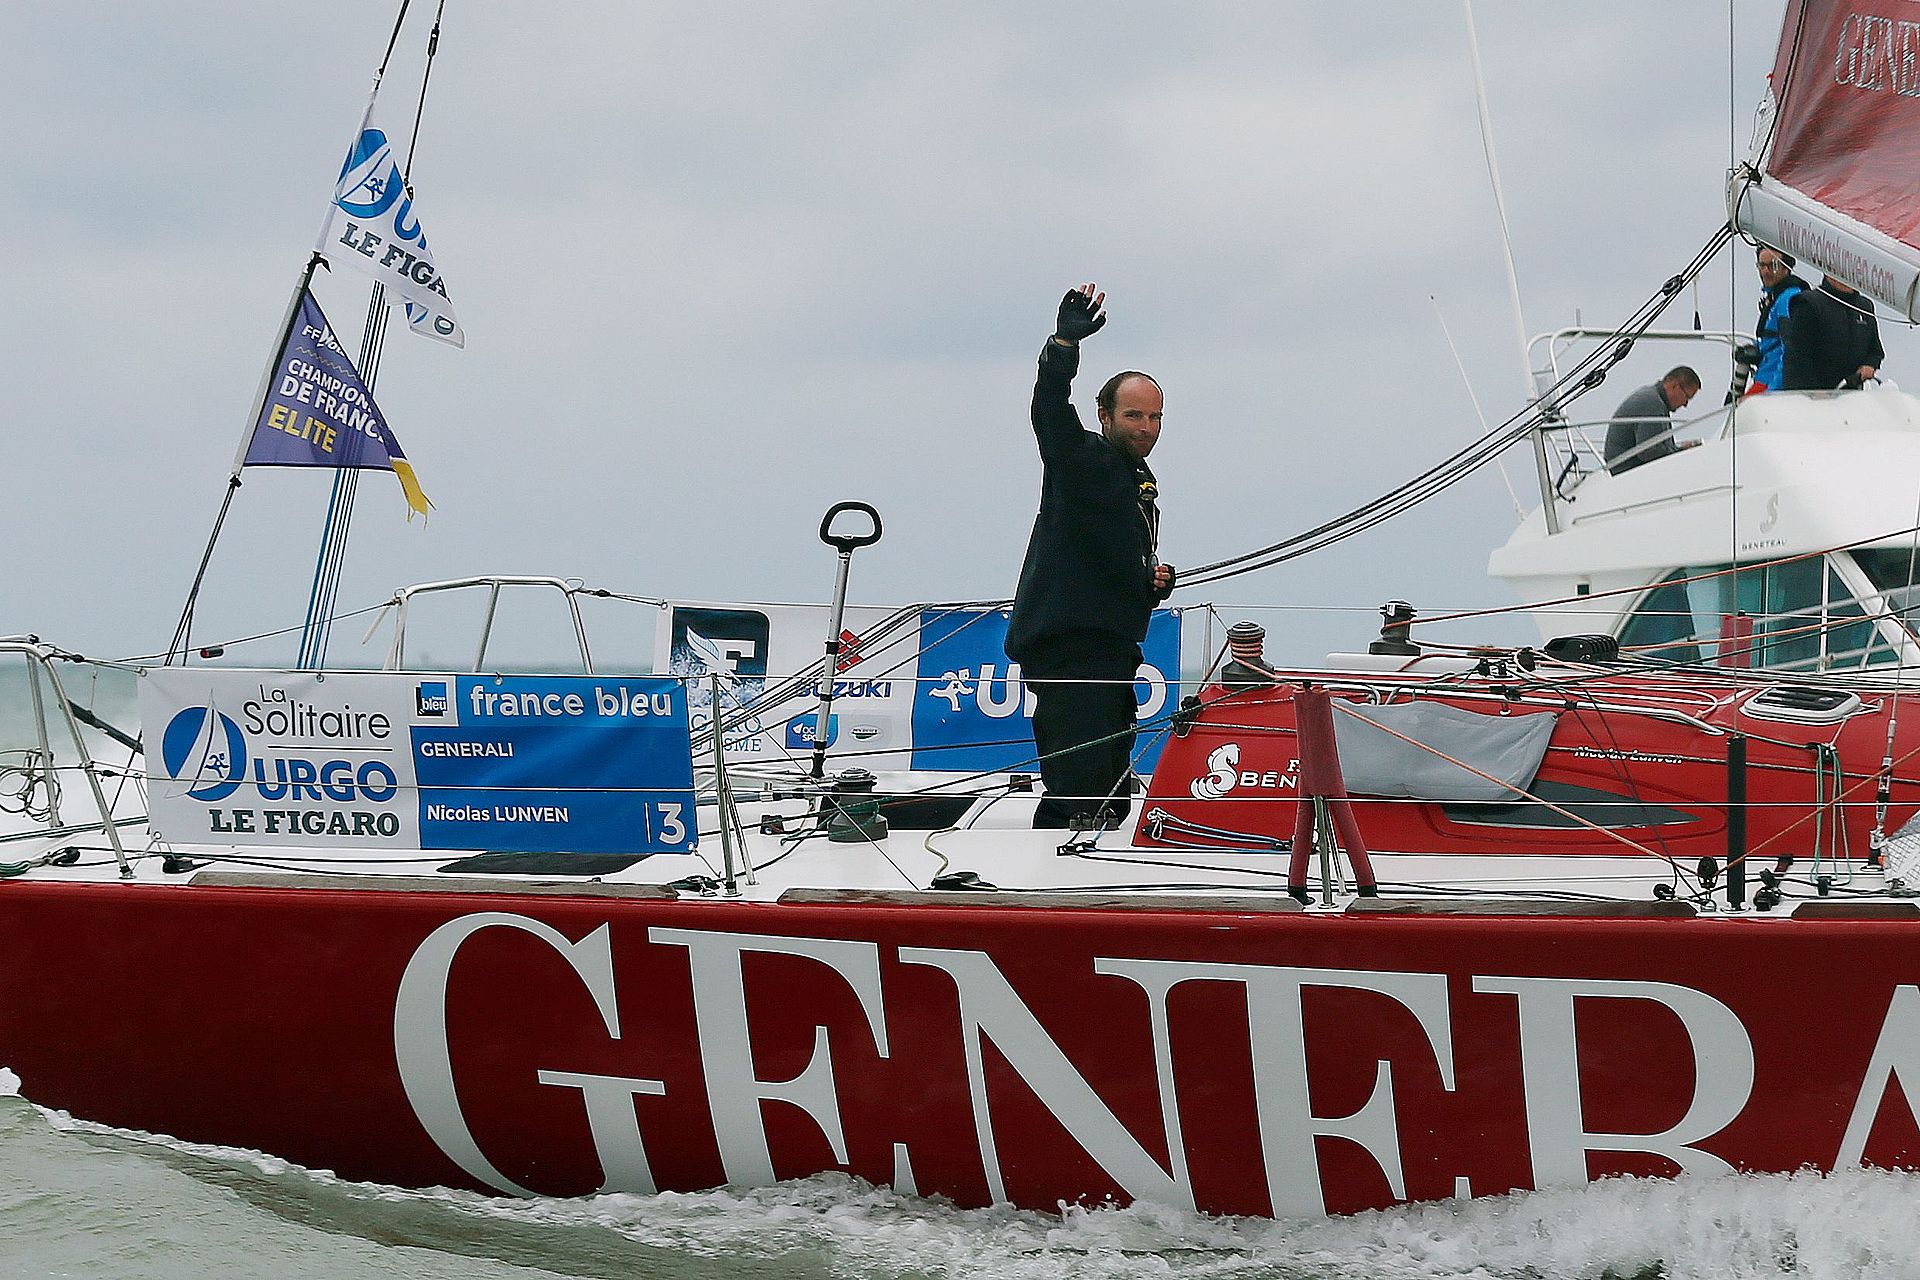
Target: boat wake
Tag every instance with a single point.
(1851, 1225)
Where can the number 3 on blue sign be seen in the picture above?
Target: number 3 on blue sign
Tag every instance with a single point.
(672, 830)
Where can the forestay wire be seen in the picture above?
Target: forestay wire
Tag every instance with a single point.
(1586, 374)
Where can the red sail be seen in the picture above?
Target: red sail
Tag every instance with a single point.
(1833, 178)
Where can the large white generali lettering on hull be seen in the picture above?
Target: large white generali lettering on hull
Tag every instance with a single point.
(386, 760)
(1290, 1120)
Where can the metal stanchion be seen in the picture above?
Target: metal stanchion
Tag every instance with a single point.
(722, 793)
(830, 668)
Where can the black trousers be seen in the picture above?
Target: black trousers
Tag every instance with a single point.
(1082, 683)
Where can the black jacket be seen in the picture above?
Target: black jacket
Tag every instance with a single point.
(1829, 336)
(1089, 563)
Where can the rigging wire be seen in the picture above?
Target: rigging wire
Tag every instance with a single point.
(394, 39)
(136, 659)
(1499, 200)
(1733, 406)
(1748, 174)
(1878, 836)
(1583, 377)
(1519, 508)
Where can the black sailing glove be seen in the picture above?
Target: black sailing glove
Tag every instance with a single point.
(1080, 316)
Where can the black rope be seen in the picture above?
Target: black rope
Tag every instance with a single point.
(393, 39)
(420, 107)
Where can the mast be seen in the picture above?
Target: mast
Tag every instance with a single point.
(1542, 468)
(323, 597)
(339, 511)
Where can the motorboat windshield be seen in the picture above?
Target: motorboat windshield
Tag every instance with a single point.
(1808, 614)
(1895, 574)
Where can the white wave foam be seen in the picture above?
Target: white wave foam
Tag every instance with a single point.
(9, 1084)
(1849, 1226)
(1854, 1225)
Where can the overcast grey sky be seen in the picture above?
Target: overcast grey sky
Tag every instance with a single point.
(721, 265)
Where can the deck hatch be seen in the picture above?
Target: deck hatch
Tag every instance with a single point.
(1802, 704)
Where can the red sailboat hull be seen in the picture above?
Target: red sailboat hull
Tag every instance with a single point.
(1240, 1060)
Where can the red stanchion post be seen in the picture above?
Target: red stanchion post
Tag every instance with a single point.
(1321, 779)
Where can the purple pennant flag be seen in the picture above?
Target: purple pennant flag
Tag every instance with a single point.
(318, 412)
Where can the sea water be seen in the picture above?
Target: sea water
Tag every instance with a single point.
(78, 1199)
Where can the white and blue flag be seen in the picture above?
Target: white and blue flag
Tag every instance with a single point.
(373, 224)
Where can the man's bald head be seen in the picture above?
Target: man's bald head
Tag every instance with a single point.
(1131, 405)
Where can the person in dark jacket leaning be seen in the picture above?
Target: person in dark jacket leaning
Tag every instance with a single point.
(1091, 576)
(1832, 340)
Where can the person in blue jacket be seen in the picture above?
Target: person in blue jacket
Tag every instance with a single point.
(1780, 290)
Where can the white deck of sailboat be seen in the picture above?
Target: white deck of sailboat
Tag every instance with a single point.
(1010, 863)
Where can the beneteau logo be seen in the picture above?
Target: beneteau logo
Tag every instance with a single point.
(1223, 770)
(1224, 774)
(206, 748)
(1767, 539)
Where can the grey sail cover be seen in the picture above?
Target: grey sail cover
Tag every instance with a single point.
(1375, 763)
